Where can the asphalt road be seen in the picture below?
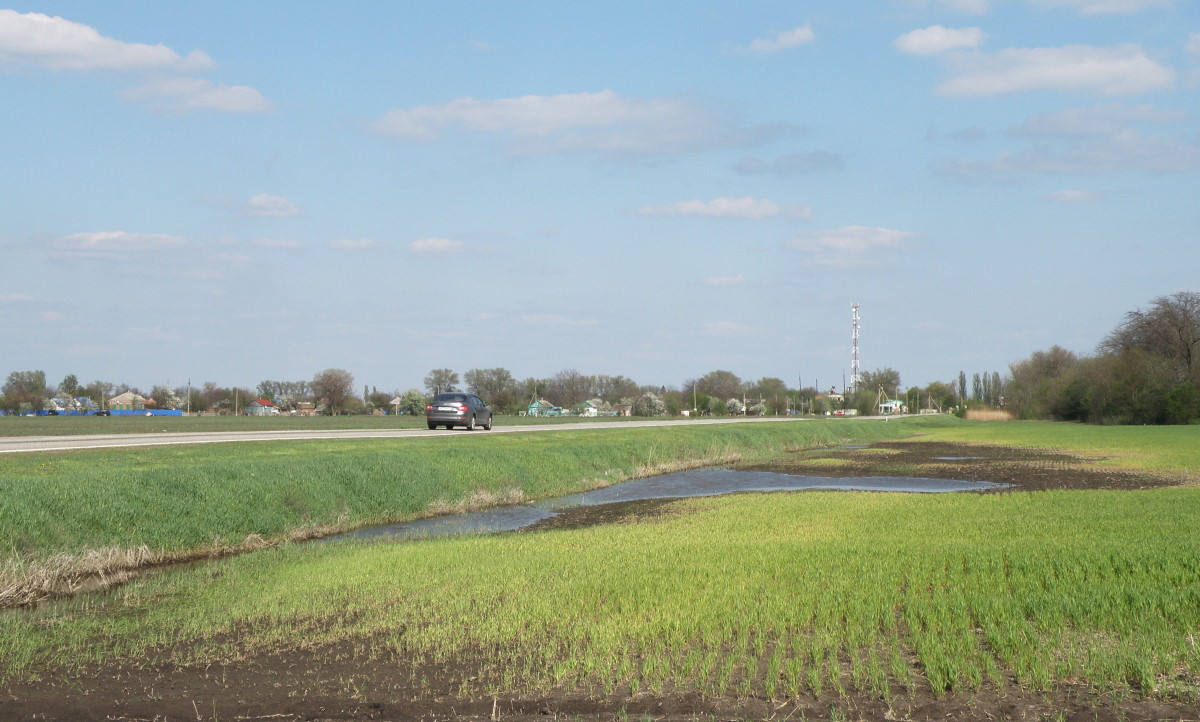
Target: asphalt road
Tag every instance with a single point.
(31, 444)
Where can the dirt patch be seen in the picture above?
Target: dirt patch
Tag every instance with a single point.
(352, 683)
(1025, 469)
(621, 512)
(340, 684)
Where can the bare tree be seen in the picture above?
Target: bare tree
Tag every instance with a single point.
(440, 381)
(1170, 329)
(333, 387)
(887, 378)
(569, 387)
(25, 388)
(497, 386)
(1037, 381)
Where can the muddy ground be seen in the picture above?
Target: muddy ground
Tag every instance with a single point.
(340, 684)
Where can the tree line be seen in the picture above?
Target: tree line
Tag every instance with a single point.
(1145, 371)
(334, 391)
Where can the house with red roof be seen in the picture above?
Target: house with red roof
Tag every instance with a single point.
(262, 407)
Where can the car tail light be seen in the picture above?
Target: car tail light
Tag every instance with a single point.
(429, 407)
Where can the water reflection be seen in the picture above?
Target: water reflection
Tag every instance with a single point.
(682, 484)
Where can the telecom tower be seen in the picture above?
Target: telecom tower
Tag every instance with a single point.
(855, 368)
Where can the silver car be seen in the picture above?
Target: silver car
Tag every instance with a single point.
(458, 408)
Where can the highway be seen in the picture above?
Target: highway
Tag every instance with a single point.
(37, 444)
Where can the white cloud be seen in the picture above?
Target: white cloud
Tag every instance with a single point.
(269, 206)
(850, 245)
(745, 208)
(184, 94)
(728, 329)
(526, 115)
(111, 244)
(1104, 119)
(589, 122)
(795, 37)
(936, 39)
(552, 320)
(970, 7)
(1193, 44)
(54, 43)
(288, 243)
(1116, 70)
(432, 247)
(15, 298)
(1072, 196)
(1103, 7)
(362, 244)
(725, 280)
(58, 44)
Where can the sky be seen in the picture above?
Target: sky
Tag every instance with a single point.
(235, 192)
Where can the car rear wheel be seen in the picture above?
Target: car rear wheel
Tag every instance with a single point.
(431, 425)
(471, 424)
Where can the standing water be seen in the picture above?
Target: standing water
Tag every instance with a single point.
(679, 485)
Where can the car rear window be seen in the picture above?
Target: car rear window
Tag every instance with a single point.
(444, 398)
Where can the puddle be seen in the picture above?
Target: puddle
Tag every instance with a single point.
(679, 485)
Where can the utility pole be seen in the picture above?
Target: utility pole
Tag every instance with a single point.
(855, 368)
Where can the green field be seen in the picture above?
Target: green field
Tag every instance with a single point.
(793, 599)
(764, 595)
(1168, 449)
(177, 502)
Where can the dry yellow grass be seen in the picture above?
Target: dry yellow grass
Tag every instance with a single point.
(989, 415)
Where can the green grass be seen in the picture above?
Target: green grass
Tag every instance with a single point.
(181, 499)
(752, 595)
(1169, 449)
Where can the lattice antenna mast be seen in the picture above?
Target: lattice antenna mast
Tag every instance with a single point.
(855, 367)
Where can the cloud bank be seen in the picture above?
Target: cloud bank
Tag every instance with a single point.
(57, 44)
(590, 122)
(1116, 70)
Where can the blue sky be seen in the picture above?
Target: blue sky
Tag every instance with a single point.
(233, 192)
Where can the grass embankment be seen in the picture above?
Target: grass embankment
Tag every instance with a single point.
(65, 516)
(771, 596)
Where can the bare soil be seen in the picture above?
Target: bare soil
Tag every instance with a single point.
(346, 684)
(1026, 469)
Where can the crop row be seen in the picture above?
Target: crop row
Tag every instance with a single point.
(771, 595)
